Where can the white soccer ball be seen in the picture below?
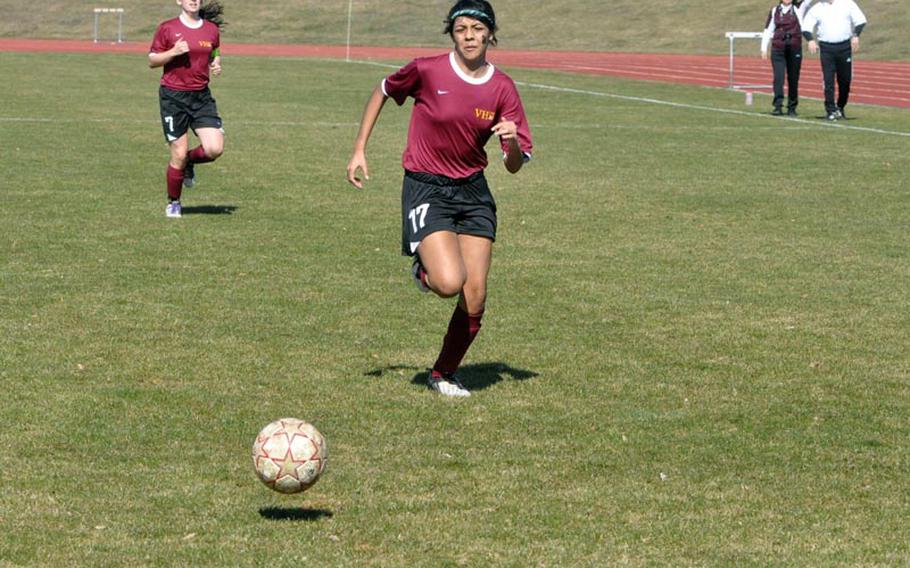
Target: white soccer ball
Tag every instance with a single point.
(289, 455)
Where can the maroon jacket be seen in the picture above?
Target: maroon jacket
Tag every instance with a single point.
(786, 28)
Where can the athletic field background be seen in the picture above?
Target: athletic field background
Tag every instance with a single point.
(694, 353)
(692, 27)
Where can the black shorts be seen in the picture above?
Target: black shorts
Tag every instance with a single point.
(182, 110)
(431, 203)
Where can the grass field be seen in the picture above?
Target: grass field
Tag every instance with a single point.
(695, 349)
(694, 26)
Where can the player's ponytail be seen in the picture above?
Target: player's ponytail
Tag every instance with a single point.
(213, 11)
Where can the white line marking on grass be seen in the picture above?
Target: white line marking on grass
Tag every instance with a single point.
(45, 120)
(710, 109)
(374, 63)
(21, 119)
(657, 128)
(292, 123)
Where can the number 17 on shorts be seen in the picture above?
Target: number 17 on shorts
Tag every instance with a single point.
(415, 222)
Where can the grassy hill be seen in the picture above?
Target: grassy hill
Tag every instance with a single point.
(696, 26)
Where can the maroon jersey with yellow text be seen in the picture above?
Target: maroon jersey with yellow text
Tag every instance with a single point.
(190, 71)
(453, 114)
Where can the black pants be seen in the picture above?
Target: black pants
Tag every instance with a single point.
(837, 64)
(788, 60)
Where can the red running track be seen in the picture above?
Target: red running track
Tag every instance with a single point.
(884, 83)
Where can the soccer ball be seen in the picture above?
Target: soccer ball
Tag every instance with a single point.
(289, 455)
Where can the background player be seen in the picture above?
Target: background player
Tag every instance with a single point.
(448, 213)
(188, 49)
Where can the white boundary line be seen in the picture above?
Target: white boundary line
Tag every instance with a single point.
(683, 105)
(35, 120)
(711, 109)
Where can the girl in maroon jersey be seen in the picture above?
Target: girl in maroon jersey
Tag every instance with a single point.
(188, 49)
(448, 213)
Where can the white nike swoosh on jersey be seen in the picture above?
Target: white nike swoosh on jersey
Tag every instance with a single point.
(440, 92)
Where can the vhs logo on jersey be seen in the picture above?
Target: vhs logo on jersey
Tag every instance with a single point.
(484, 114)
(205, 43)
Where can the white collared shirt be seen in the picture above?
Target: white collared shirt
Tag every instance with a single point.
(836, 20)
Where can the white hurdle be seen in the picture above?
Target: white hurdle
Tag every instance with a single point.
(100, 12)
(732, 37)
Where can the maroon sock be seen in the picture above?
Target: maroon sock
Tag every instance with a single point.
(463, 328)
(174, 183)
(198, 156)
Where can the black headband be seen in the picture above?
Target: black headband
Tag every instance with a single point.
(476, 14)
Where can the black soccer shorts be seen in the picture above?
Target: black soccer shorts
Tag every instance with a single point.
(431, 203)
(182, 110)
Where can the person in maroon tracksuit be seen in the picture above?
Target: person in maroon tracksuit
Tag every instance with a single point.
(448, 214)
(783, 31)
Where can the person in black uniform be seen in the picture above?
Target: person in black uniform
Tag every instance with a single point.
(783, 32)
(839, 24)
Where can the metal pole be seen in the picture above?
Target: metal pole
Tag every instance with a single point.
(95, 36)
(347, 51)
(731, 61)
(120, 26)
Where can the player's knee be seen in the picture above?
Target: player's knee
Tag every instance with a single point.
(446, 289)
(215, 151)
(446, 284)
(179, 158)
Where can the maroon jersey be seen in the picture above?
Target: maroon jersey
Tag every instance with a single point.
(787, 30)
(190, 71)
(453, 114)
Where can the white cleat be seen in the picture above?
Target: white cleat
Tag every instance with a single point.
(173, 210)
(448, 385)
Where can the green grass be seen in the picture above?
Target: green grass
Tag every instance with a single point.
(694, 351)
(695, 26)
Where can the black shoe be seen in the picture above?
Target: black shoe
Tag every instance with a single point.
(777, 112)
(792, 112)
(832, 117)
(840, 114)
(189, 175)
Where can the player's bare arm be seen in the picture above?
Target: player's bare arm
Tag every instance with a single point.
(215, 66)
(507, 130)
(358, 157)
